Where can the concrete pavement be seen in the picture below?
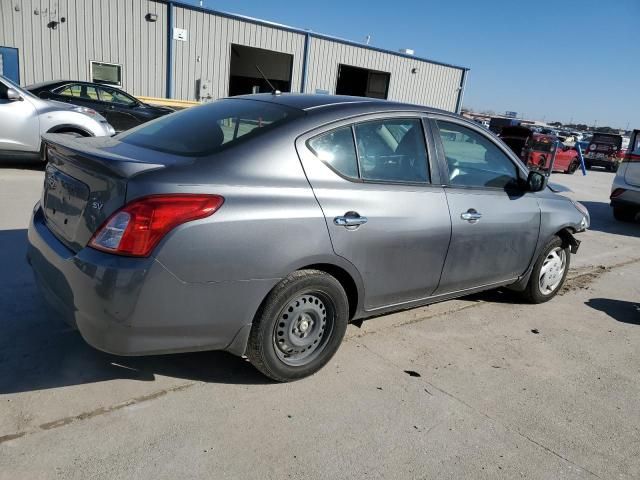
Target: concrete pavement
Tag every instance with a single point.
(494, 389)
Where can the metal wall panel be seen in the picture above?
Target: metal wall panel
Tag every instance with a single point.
(112, 31)
(433, 85)
(115, 31)
(206, 55)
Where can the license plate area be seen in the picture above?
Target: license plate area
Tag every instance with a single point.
(65, 199)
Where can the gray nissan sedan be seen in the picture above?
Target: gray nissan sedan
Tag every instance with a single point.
(264, 224)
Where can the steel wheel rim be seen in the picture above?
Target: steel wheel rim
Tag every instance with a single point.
(552, 271)
(303, 328)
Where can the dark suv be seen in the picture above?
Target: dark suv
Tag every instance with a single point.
(603, 151)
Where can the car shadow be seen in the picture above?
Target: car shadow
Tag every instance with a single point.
(620, 310)
(39, 351)
(34, 165)
(602, 220)
(500, 295)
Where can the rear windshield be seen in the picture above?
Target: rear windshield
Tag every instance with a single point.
(209, 128)
(608, 139)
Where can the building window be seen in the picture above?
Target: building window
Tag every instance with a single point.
(106, 73)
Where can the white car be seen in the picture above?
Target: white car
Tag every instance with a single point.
(625, 191)
(24, 118)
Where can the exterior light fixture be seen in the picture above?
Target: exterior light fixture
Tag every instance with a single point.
(151, 17)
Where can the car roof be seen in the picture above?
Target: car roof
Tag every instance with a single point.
(311, 102)
(55, 83)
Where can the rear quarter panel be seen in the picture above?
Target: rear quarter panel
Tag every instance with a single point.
(269, 225)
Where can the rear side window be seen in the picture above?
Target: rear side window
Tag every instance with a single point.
(206, 129)
(337, 149)
(391, 150)
(85, 92)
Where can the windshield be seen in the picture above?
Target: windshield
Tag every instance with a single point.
(206, 129)
(17, 87)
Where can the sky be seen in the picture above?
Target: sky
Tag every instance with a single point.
(567, 60)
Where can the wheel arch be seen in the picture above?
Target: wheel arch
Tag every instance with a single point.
(70, 128)
(345, 279)
(344, 273)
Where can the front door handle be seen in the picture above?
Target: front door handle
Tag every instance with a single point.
(471, 215)
(350, 219)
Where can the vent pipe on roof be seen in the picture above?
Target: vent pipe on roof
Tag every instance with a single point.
(407, 51)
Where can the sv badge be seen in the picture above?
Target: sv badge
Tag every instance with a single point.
(97, 205)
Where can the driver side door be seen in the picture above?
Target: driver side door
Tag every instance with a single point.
(495, 223)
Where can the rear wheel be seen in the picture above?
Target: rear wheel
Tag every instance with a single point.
(549, 272)
(613, 167)
(573, 167)
(624, 214)
(299, 327)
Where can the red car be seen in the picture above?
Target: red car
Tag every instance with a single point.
(537, 150)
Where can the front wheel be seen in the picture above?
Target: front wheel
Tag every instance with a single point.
(299, 327)
(573, 167)
(549, 272)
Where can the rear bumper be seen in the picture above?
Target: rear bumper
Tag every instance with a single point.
(133, 306)
(630, 199)
(600, 162)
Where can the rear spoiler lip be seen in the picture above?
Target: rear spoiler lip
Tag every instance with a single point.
(99, 159)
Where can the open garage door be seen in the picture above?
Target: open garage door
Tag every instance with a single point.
(245, 77)
(362, 82)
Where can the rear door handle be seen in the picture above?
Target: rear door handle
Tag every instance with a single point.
(350, 219)
(471, 215)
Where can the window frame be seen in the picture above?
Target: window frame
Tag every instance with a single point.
(433, 170)
(93, 80)
(521, 168)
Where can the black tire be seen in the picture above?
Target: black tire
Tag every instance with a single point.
(587, 165)
(624, 214)
(533, 292)
(272, 341)
(613, 167)
(573, 167)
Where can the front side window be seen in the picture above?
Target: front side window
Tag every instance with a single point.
(473, 159)
(337, 149)
(206, 129)
(114, 96)
(392, 150)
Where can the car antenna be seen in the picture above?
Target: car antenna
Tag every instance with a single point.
(274, 91)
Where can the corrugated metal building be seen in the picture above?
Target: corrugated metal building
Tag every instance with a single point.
(164, 48)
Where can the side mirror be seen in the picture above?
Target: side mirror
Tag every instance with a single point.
(13, 95)
(536, 181)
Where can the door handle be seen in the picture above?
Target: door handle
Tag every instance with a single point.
(350, 219)
(471, 215)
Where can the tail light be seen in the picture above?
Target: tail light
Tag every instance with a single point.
(617, 192)
(136, 228)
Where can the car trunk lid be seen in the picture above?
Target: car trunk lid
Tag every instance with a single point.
(85, 183)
